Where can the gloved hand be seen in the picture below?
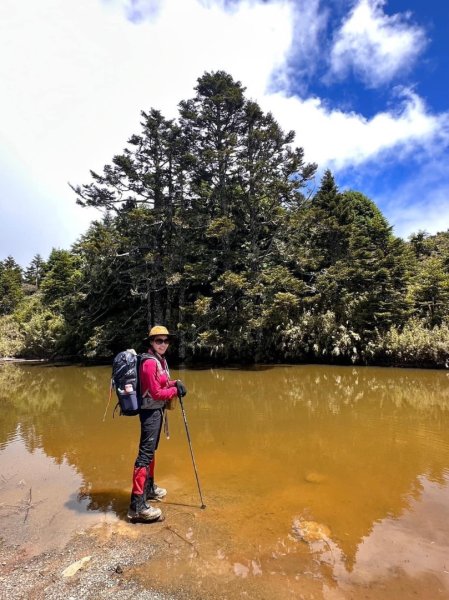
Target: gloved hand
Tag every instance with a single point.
(182, 391)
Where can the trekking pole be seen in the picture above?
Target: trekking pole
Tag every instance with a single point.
(191, 450)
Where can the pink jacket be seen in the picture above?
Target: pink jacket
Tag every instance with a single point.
(155, 384)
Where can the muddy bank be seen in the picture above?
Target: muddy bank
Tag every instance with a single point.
(110, 552)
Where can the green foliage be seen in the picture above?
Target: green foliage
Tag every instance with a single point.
(62, 274)
(43, 331)
(11, 292)
(320, 337)
(415, 345)
(366, 286)
(429, 290)
(35, 272)
(98, 343)
(43, 334)
(11, 337)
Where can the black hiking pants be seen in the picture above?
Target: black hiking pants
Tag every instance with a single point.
(150, 432)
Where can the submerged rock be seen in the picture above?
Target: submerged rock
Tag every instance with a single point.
(310, 531)
(314, 477)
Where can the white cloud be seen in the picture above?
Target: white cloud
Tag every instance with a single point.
(306, 52)
(336, 139)
(430, 213)
(77, 76)
(137, 10)
(376, 46)
(420, 203)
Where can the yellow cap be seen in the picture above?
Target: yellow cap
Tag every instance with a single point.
(158, 330)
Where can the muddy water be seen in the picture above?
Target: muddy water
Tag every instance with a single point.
(320, 482)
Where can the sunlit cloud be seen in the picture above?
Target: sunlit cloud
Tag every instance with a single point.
(421, 203)
(337, 139)
(375, 46)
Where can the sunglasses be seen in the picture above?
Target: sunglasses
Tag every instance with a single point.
(161, 341)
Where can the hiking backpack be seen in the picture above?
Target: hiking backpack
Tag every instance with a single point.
(125, 380)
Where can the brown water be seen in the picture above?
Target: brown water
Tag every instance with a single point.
(320, 482)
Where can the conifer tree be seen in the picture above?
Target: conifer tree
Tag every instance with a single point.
(330, 216)
(11, 292)
(198, 203)
(429, 291)
(62, 274)
(366, 287)
(35, 271)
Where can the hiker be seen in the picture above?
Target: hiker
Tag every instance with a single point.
(156, 389)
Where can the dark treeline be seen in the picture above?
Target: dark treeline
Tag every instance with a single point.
(212, 226)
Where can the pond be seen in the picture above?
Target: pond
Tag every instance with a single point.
(319, 480)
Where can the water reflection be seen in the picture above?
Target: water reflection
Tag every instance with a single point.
(353, 450)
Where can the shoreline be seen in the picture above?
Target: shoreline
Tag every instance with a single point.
(225, 365)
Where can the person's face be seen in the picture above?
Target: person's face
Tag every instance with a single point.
(160, 344)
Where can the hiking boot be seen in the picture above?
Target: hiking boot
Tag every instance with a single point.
(157, 493)
(139, 510)
(153, 491)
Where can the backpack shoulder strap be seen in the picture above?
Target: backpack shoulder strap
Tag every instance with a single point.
(142, 358)
(146, 356)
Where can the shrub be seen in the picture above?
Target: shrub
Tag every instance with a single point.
(415, 345)
(11, 337)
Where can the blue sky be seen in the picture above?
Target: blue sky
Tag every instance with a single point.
(362, 82)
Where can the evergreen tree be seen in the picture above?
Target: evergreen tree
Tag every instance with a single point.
(35, 271)
(366, 287)
(62, 275)
(208, 227)
(11, 292)
(246, 177)
(418, 242)
(329, 212)
(197, 205)
(144, 188)
(429, 291)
